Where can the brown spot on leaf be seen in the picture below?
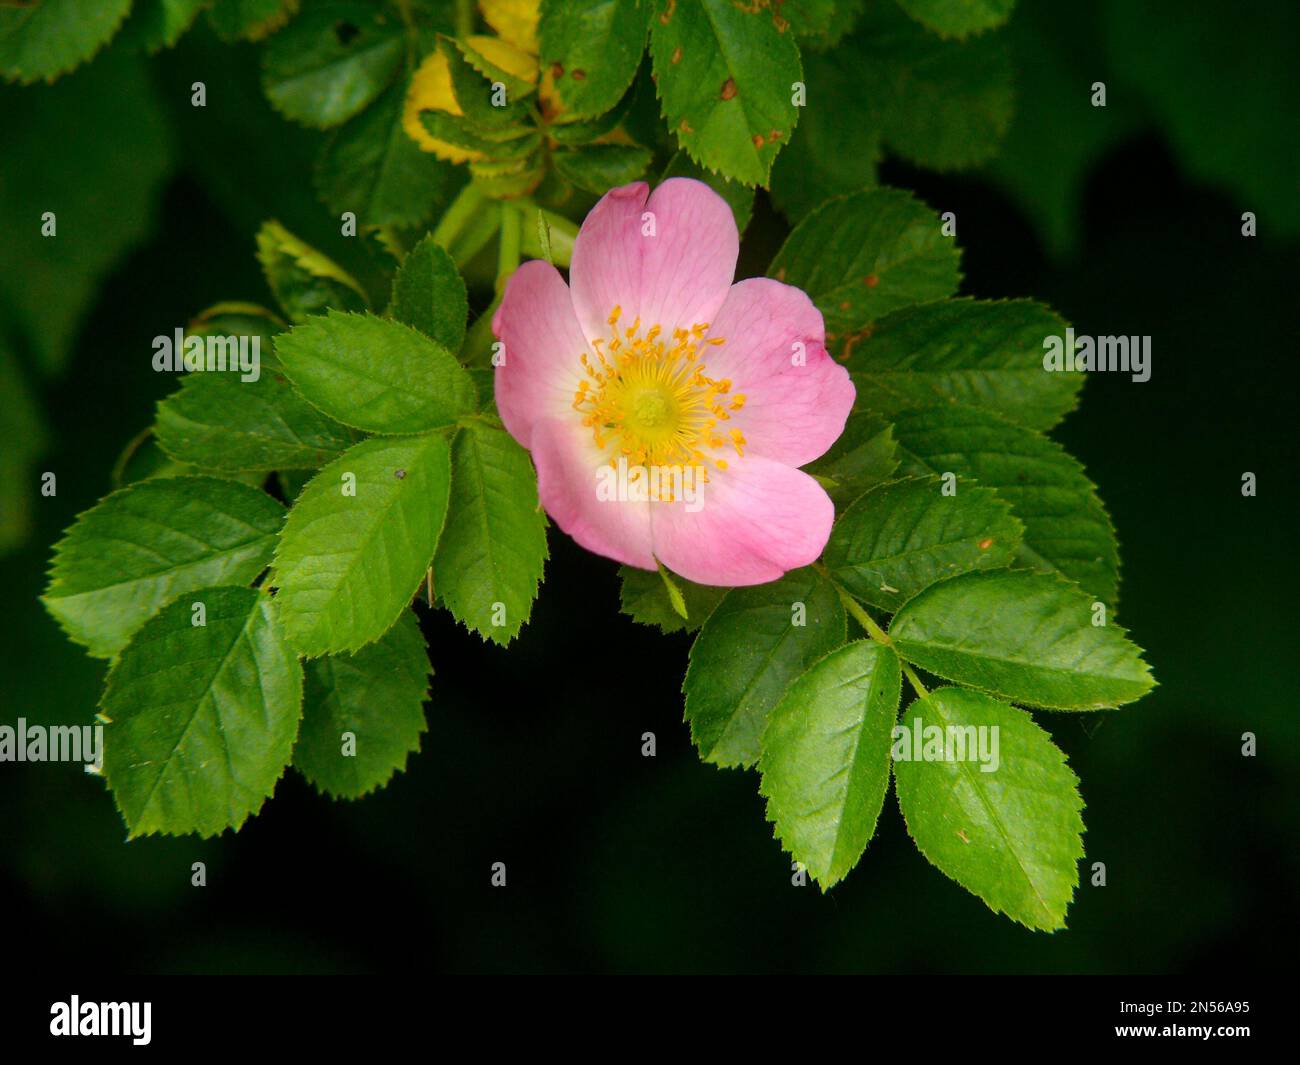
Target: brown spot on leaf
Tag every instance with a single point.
(774, 136)
(578, 75)
(961, 835)
(780, 274)
(871, 280)
(667, 14)
(729, 89)
(986, 544)
(759, 141)
(557, 70)
(677, 55)
(684, 127)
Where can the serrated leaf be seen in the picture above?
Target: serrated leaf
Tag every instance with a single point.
(1027, 637)
(904, 536)
(725, 76)
(1067, 530)
(959, 18)
(861, 256)
(158, 24)
(592, 49)
(249, 20)
(375, 374)
(216, 421)
(331, 61)
(479, 102)
(747, 654)
(825, 760)
(740, 198)
(429, 295)
(601, 167)
(939, 103)
(347, 565)
(376, 697)
(305, 281)
(50, 37)
(862, 457)
(982, 353)
(371, 167)
(142, 546)
(202, 717)
(493, 548)
(644, 597)
(1012, 836)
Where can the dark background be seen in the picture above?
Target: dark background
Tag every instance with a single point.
(622, 863)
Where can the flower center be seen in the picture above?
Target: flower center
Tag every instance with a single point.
(646, 397)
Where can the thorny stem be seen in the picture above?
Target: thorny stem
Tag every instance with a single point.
(872, 628)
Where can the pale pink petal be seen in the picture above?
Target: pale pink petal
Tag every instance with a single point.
(797, 397)
(676, 278)
(567, 462)
(758, 519)
(542, 347)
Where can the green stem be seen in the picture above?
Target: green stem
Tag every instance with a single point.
(557, 245)
(458, 215)
(872, 628)
(508, 245)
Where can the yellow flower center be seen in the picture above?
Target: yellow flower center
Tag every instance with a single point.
(647, 399)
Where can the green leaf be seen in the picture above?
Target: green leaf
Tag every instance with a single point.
(493, 548)
(644, 597)
(375, 374)
(862, 457)
(142, 546)
(837, 144)
(1027, 637)
(941, 104)
(861, 256)
(100, 177)
(305, 282)
(592, 48)
(904, 536)
(482, 107)
(985, 354)
(50, 37)
(348, 564)
(740, 198)
(754, 644)
(1012, 836)
(377, 696)
(202, 718)
(331, 61)
(249, 20)
(601, 167)
(1067, 530)
(158, 24)
(216, 421)
(371, 167)
(429, 295)
(825, 760)
(725, 76)
(958, 18)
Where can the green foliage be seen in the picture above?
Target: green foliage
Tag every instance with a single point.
(331, 61)
(493, 548)
(359, 540)
(958, 18)
(726, 76)
(593, 48)
(139, 548)
(753, 645)
(49, 38)
(825, 760)
(1027, 637)
(865, 455)
(304, 281)
(374, 699)
(902, 537)
(600, 167)
(201, 717)
(1012, 836)
(646, 597)
(429, 295)
(375, 374)
(861, 256)
(984, 354)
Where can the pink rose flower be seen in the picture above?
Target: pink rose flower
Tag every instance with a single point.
(667, 409)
